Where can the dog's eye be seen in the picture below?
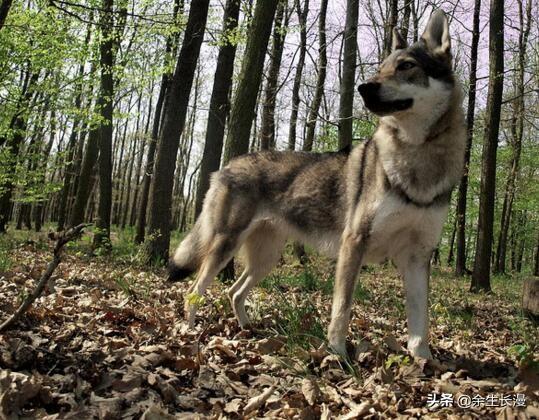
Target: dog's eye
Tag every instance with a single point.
(407, 65)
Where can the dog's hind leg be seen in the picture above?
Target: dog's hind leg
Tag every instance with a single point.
(237, 284)
(222, 250)
(262, 250)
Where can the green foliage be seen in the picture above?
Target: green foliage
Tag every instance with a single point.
(299, 321)
(125, 286)
(5, 259)
(195, 299)
(525, 355)
(398, 360)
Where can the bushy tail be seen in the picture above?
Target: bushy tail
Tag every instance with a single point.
(188, 255)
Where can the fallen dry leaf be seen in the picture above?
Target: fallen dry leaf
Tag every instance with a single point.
(256, 402)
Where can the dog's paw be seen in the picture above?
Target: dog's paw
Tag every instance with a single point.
(420, 352)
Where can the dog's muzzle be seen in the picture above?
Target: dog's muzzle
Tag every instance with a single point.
(370, 92)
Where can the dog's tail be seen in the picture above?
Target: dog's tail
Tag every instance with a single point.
(188, 256)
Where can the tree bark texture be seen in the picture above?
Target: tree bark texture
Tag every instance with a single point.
(460, 267)
(173, 125)
(219, 105)
(483, 249)
(346, 102)
(243, 106)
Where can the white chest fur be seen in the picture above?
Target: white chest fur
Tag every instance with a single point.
(398, 227)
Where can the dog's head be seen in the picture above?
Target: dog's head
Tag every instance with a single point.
(412, 77)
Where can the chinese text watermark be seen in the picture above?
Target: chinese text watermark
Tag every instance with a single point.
(436, 400)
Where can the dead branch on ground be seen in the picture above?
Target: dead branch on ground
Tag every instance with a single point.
(62, 239)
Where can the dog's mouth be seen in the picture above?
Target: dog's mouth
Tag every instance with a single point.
(382, 108)
(370, 92)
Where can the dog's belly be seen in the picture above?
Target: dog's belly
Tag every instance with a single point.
(325, 241)
(398, 227)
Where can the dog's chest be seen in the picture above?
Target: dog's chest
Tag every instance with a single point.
(396, 226)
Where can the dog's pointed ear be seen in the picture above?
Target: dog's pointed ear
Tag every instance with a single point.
(436, 34)
(397, 41)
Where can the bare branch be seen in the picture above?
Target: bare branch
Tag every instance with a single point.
(63, 239)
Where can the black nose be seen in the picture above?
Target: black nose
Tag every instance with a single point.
(369, 89)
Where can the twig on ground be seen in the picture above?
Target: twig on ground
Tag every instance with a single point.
(62, 239)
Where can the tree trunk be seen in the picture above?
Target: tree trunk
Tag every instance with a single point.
(86, 178)
(106, 96)
(170, 48)
(4, 10)
(129, 180)
(302, 16)
(320, 80)
(483, 249)
(267, 129)
(460, 267)
(18, 126)
(517, 131)
(530, 297)
(219, 104)
(451, 253)
(536, 263)
(390, 24)
(71, 144)
(38, 210)
(133, 213)
(405, 27)
(243, 107)
(173, 125)
(346, 102)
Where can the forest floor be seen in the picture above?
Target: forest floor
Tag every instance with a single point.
(107, 340)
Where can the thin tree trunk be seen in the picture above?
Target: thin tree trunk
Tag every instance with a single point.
(460, 267)
(183, 219)
(267, 129)
(173, 125)
(219, 104)
(243, 107)
(483, 250)
(86, 178)
(133, 214)
(346, 102)
(302, 16)
(390, 24)
(129, 180)
(405, 27)
(450, 255)
(170, 48)
(321, 79)
(536, 265)
(38, 211)
(106, 95)
(72, 143)
(18, 125)
(32, 154)
(120, 171)
(517, 131)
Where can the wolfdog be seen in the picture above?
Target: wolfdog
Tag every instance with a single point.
(387, 198)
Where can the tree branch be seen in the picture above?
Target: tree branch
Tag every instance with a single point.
(62, 240)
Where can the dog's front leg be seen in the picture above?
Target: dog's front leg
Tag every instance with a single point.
(416, 273)
(348, 265)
